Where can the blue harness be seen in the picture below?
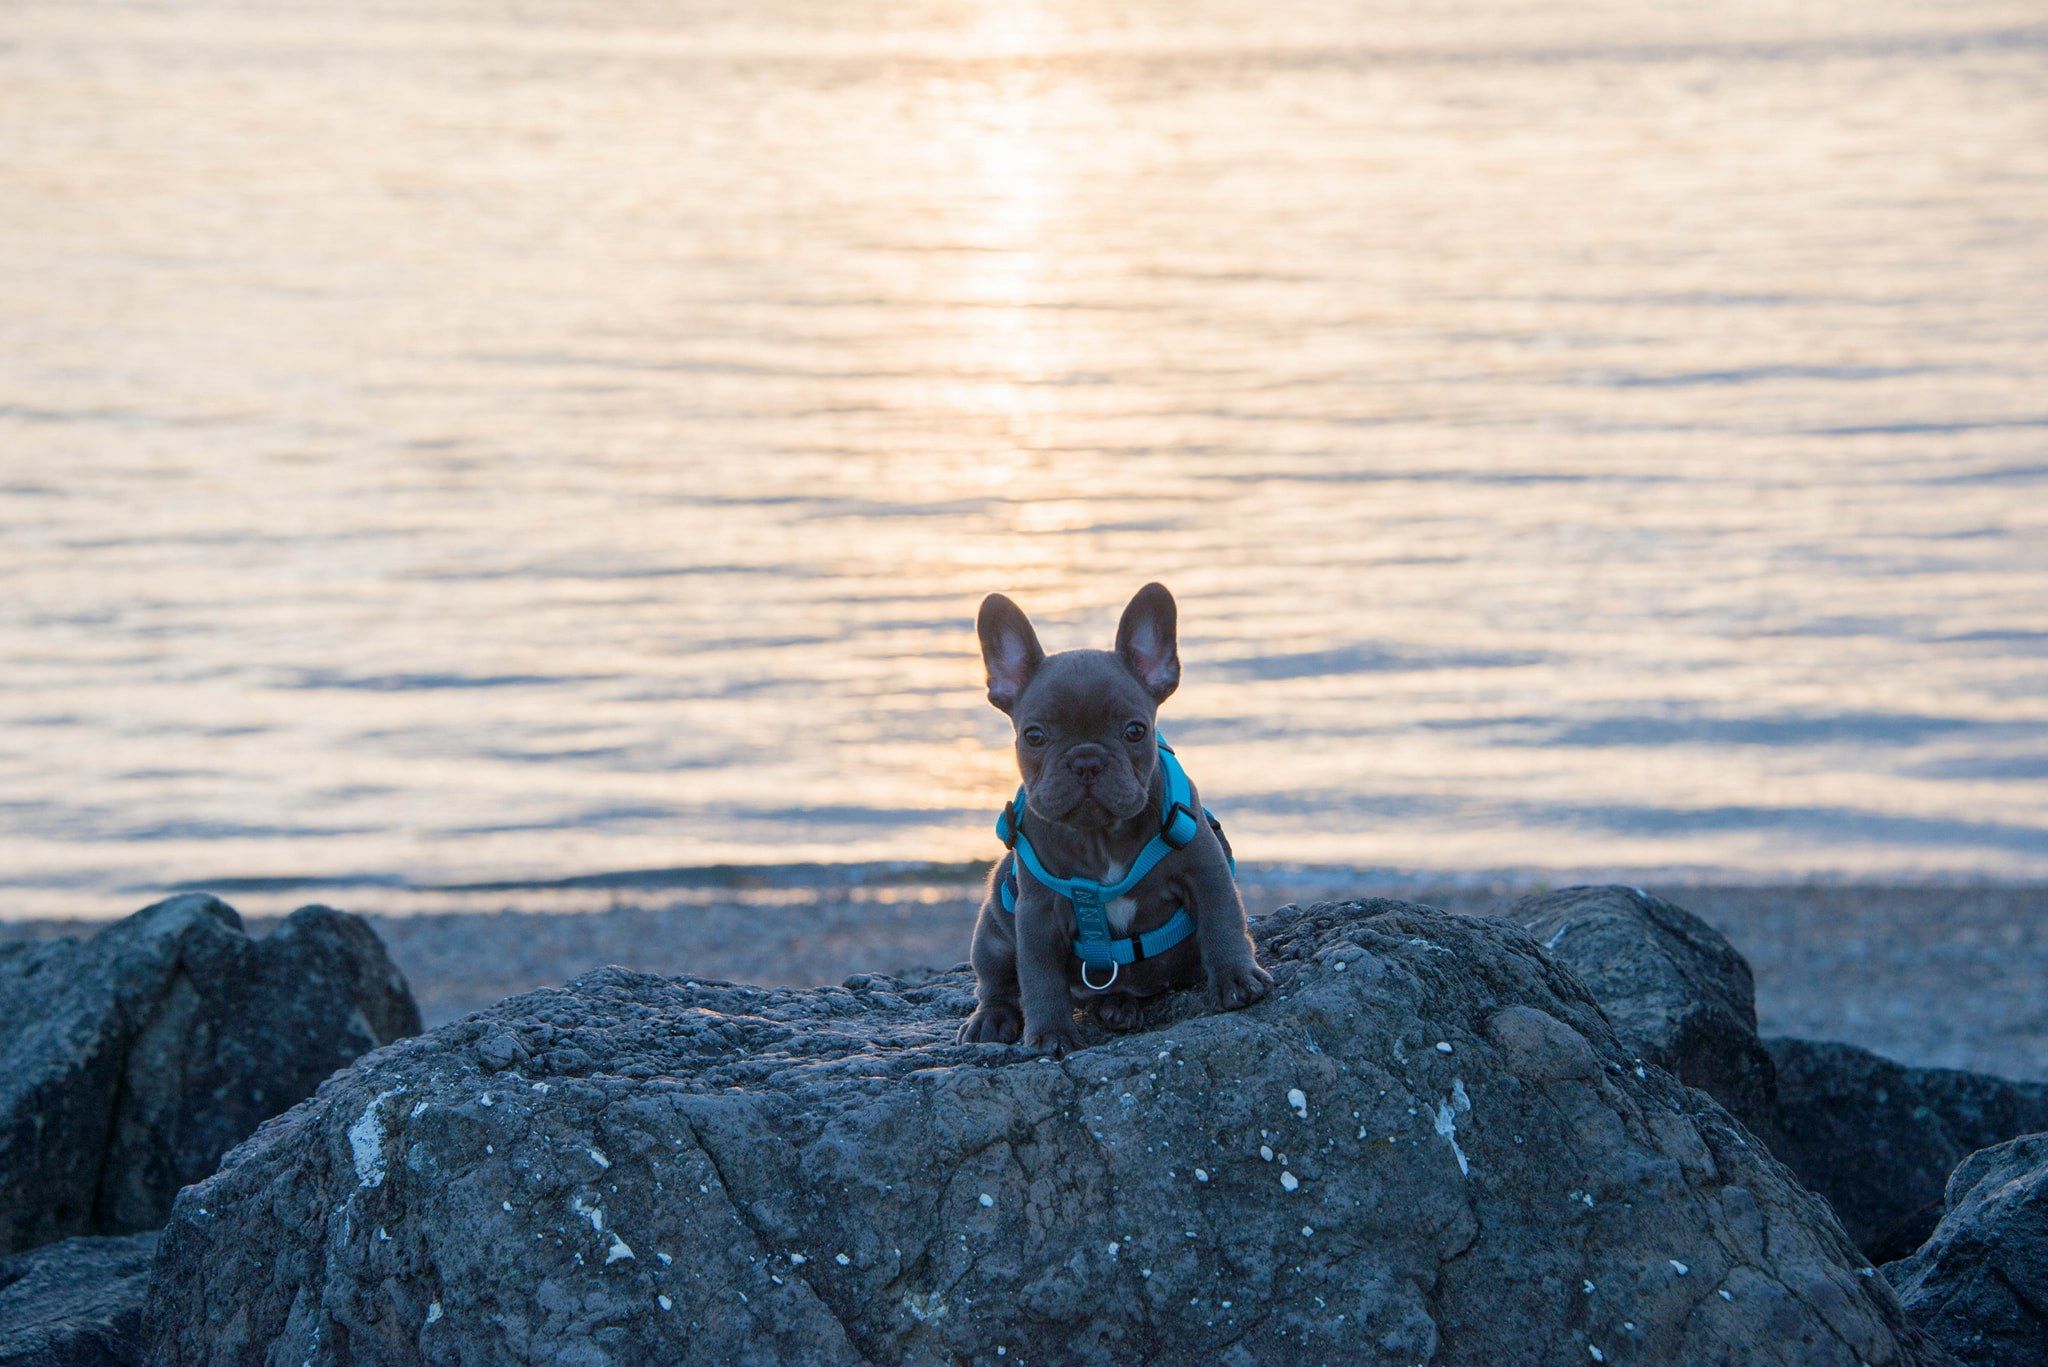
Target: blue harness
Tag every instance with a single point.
(1094, 946)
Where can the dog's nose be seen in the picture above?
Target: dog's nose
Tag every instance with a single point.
(1085, 762)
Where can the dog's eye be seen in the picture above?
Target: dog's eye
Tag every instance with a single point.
(1034, 737)
(1135, 730)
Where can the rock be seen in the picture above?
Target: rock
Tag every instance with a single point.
(1676, 990)
(75, 1304)
(1879, 1139)
(499, 1052)
(1980, 1285)
(1876, 1138)
(136, 1058)
(1427, 1145)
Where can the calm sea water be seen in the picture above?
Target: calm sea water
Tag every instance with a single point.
(452, 441)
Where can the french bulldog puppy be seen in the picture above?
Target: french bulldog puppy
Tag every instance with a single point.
(1085, 745)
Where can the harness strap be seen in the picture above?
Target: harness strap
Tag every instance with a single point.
(1093, 944)
(1130, 949)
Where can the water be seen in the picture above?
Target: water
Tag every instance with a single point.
(450, 441)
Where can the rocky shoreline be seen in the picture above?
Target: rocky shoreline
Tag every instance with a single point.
(1935, 975)
(1553, 1134)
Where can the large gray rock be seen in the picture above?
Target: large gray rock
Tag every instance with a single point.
(1876, 1138)
(1879, 1139)
(1674, 987)
(136, 1058)
(77, 1303)
(1428, 1145)
(1980, 1285)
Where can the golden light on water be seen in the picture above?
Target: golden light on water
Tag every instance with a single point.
(439, 446)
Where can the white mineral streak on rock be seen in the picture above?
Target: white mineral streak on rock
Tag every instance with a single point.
(366, 1141)
(1447, 1126)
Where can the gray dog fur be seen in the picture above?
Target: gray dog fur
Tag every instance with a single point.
(1084, 722)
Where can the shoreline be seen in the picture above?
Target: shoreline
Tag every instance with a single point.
(1942, 973)
(36, 909)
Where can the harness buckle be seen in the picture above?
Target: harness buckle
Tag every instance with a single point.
(1099, 987)
(1181, 827)
(1012, 823)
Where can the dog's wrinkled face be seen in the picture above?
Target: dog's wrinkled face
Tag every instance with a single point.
(1084, 718)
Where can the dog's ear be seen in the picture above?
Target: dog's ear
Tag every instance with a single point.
(1145, 639)
(1009, 647)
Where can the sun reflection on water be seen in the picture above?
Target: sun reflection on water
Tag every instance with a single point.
(442, 445)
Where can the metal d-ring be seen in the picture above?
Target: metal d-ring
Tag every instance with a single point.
(1099, 987)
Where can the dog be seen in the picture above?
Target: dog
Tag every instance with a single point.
(1096, 798)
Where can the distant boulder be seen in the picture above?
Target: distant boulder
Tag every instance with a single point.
(1676, 990)
(77, 1303)
(1980, 1285)
(134, 1059)
(1427, 1145)
(1879, 1139)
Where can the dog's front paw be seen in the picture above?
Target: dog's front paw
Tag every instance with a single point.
(1055, 1040)
(1236, 985)
(1119, 1012)
(996, 1023)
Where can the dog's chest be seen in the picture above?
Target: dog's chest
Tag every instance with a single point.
(1122, 909)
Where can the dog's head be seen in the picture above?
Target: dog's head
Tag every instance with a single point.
(1084, 718)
